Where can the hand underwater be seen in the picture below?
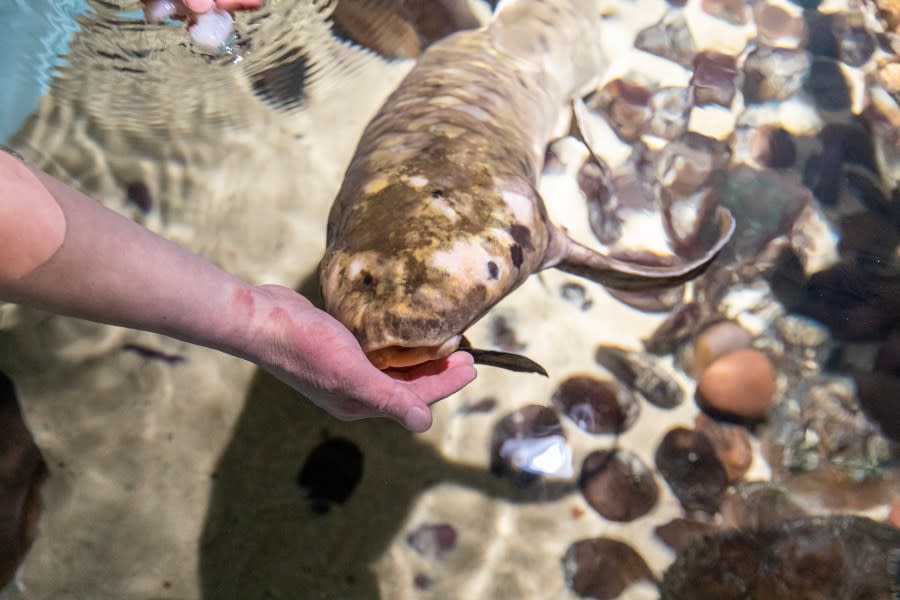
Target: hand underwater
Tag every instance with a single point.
(316, 355)
(209, 21)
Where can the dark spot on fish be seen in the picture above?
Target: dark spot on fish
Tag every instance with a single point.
(493, 270)
(367, 278)
(522, 236)
(515, 252)
(437, 194)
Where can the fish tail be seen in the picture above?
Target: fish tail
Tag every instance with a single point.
(562, 37)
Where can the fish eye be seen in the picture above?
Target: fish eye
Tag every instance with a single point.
(367, 278)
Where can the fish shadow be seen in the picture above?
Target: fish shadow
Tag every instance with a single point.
(265, 537)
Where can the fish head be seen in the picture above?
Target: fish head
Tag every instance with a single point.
(408, 288)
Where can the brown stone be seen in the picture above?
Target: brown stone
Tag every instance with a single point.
(741, 384)
(715, 341)
(731, 443)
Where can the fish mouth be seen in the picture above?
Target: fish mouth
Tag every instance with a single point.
(400, 357)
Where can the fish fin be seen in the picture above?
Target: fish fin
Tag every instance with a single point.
(620, 274)
(578, 259)
(502, 360)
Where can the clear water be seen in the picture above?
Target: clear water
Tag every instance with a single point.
(178, 472)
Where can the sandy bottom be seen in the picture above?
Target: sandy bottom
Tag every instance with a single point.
(179, 480)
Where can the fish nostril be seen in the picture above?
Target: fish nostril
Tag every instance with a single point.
(437, 194)
(493, 270)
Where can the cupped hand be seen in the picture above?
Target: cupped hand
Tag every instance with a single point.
(315, 354)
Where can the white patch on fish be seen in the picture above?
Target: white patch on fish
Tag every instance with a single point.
(521, 206)
(465, 261)
(417, 181)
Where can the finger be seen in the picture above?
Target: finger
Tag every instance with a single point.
(238, 4)
(431, 388)
(198, 6)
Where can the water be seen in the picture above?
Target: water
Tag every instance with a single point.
(175, 471)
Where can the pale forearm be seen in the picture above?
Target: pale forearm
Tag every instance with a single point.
(111, 270)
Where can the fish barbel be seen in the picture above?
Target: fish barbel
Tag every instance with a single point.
(438, 217)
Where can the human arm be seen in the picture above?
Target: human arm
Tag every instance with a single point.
(67, 254)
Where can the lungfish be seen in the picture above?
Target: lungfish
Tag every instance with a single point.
(439, 216)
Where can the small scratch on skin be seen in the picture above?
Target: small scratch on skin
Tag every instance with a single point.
(153, 354)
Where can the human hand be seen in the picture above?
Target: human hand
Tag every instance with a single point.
(209, 21)
(315, 354)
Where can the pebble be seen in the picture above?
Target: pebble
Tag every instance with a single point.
(713, 78)
(503, 335)
(777, 27)
(618, 485)
(670, 38)
(529, 443)
(773, 147)
(740, 384)
(715, 341)
(759, 505)
(773, 74)
(685, 165)
(731, 443)
(810, 558)
(602, 568)
(679, 327)
(626, 106)
(595, 405)
(642, 373)
(679, 533)
(688, 462)
(671, 107)
(433, 540)
(603, 208)
(577, 294)
(331, 473)
(733, 11)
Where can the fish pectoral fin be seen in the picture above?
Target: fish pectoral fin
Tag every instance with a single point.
(502, 360)
(636, 275)
(579, 129)
(620, 273)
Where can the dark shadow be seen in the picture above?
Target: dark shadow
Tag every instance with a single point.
(263, 537)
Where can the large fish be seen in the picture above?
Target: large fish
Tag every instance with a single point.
(439, 216)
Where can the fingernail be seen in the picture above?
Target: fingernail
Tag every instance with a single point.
(418, 419)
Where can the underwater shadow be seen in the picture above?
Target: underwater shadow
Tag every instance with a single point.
(265, 537)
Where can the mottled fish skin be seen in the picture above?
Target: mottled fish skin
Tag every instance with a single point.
(438, 217)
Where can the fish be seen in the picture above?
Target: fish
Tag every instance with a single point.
(439, 217)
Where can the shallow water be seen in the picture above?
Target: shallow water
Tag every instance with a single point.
(179, 472)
